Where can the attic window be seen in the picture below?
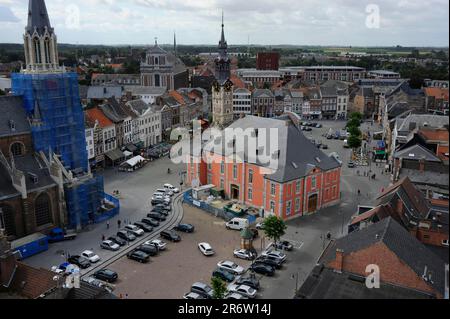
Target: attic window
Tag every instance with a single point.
(12, 125)
(34, 178)
(411, 155)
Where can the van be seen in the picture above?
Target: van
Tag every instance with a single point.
(237, 224)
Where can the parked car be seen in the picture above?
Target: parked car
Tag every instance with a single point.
(172, 188)
(151, 222)
(148, 249)
(351, 164)
(269, 261)
(136, 231)
(260, 226)
(276, 255)
(125, 235)
(159, 201)
(159, 217)
(318, 125)
(146, 228)
(117, 240)
(235, 296)
(160, 210)
(263, 269)
(249, 280)
(171, 235)
(223, 274)
(283, 245)
(324, 146)
(110, 245)
(139, 256)
(202, 289)
(164, 192)
(157, 243)
(185, 228)
(79, 261)
(231, 267)
(193, 295)
(106, 275)
(243, 254)
(206, 249)
(89, 255)
(243, 290)
(237, 224)
(163, 206)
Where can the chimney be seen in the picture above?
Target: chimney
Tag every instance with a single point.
(339, 260)
(422, 165)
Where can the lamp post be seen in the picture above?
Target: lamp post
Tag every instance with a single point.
(295, 276)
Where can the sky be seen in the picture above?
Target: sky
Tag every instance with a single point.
(265, 22)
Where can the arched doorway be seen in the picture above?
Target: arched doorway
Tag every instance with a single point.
(7, 221)
(43, 210)
(313, 201)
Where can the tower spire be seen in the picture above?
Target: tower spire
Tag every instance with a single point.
(38, 19)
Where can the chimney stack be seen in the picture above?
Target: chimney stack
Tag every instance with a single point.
(339, 260)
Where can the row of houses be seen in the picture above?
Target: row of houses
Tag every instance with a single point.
(129, 125)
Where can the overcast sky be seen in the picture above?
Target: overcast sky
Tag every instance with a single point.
(297, 22)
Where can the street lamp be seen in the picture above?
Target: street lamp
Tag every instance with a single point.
(295, 276)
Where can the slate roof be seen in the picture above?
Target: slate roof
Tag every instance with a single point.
(104, 92)
(38, 17)
(87, 291)
(324, 283)
(262, 93)
(419, 120)
(417, 152)
(298, 156)
(114, 111)
(328, 91)
(143, 90)
(33, 164)
(400, 242)
(32, 282)
(11, 109)
(139, 106)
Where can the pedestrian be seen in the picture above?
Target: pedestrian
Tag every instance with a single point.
(103, 237)
(359, 192)
(107, 224)
(119, 223)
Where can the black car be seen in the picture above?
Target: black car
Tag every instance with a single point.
(284, 245)
(269, 261)
(157, 216)
(79, 261)
(160, 211)
(106, 275)
(161, 208)
(117, 240)
(185, 228)
(263, 269)
(171, 235)
(250, 281)
(151, 222)
(164, 206)
(223, 274)
(158, 202)
(139, 256)
(150, 250)
(126, 235)
(144, 227)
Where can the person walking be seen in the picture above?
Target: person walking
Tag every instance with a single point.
(359, 192)
(103, 237)
(107, 224)
(119, 223)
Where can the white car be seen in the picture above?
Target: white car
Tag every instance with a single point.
(172, 188)
(273, 254)
(91, 256)
(231, 267)
(236, 296)
(110, 245)
(135, 230)
(193, 295)
(157, 243)
(164, 192)
(159, 197)
(260, 226)
(244, 290)
(206, 249)
(243, 254)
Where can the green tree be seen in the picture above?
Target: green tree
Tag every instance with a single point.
(355, 131)
(219, 288)
(353, 123)
(274, 228)
(2, 93)
(354, 142)
(356, 115)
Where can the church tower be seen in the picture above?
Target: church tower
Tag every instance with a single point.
(40, 42)
(222, 92)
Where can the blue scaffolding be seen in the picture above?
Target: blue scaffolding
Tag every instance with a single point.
(52, 101)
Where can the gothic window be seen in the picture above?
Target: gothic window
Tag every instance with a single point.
(157, 80)
(37, 50)
(17, 149)
(156, 61)
(7, 220)
(42, 210)
(47, 50)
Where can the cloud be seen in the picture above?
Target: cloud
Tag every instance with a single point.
(6, 15)
(300, 22)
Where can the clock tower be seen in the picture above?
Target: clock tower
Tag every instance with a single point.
(222, 92)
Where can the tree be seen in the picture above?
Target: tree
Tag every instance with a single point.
(354, 130)
(274, 228)
(2, 93)
(219, 288)
(353, 123)
(356, 115)
(354, 141)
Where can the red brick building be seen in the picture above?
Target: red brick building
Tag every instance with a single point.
(303, 181)
(402, 260)
(268, 61)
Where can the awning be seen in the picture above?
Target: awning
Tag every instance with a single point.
(127, 153)
(131, 147)
(115, 155)
(135, 160)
